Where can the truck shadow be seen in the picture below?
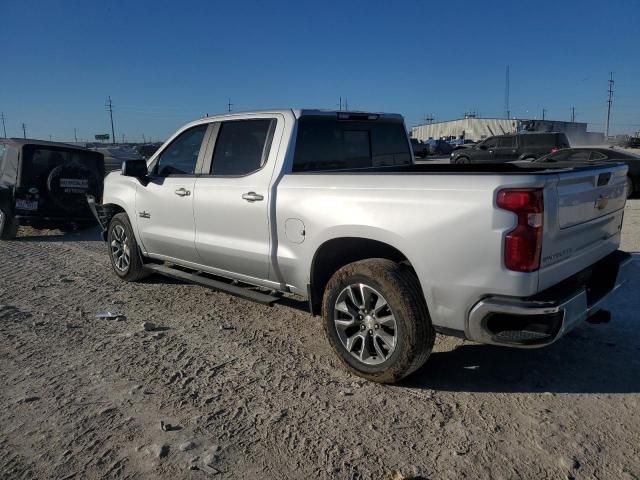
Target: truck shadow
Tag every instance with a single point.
(583, 362)
(590, 359)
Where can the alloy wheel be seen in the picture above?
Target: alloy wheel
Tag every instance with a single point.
(120, 251)
(365, 324)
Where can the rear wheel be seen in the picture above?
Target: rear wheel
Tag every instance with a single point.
(376, 320)
(8, 225)
(126, 258)
(461, 160)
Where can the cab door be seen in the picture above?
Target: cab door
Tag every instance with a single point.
(232, 197)
(164, 205)
(506, 149)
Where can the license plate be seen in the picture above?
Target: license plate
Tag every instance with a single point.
(75, 183)
(27, 204)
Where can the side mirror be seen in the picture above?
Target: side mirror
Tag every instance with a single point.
(134, 168)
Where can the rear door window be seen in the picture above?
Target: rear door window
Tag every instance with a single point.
(538, 140)
(507, 142)
(595, 156)
(242, 147)
(578, 156)
(332, 144)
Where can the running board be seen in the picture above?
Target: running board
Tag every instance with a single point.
(213, 284)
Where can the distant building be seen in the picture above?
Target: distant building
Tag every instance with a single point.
(476, 129)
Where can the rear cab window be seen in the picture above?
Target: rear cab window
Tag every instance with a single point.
(328, 143)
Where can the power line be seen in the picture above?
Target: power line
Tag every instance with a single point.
(506, 95)
(609, 102)
(4, 127)
(109, 106)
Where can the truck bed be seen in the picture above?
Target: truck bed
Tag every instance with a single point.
(466, 168)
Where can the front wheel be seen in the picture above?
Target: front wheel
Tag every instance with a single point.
(629, 187)
(461, 160)
(126, 258)
(376, 320)
(8, 225)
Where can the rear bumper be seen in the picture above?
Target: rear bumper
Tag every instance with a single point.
(544, 318)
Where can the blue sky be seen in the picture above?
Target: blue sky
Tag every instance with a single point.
(167, 62)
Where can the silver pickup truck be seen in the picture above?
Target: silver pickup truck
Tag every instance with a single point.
(330, 207)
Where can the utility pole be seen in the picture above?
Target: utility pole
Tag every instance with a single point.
(110, 109)
(609, 102)
(144, 140)
(506, 95)
(4, 127)
(428, 119)
(340, 104)
(544, 113)
(346, 103)
(49, 137)
(75, 134)
(24, 130)
(123, 138)
(229, 105)
(573, 114)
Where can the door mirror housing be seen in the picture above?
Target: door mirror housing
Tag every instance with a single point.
(134, 168)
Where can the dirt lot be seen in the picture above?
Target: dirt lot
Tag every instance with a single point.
(254, 392)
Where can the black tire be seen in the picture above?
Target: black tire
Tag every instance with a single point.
(461, 160)
(630, 187)
(134, 270)
(414, 334)
(8, 225)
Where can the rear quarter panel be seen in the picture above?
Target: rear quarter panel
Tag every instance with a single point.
(445, 224)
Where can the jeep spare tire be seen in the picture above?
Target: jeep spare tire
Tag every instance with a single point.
(68, 185)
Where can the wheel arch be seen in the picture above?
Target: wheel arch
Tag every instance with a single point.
(337, 252)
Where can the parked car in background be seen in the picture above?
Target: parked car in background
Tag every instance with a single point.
(45, 184)
(633, 142)
(420, 150)
(148, 149)
(113, 156)
(594, 154)
(439, 147)
(465, 144)
(517, 146)
(331, 207)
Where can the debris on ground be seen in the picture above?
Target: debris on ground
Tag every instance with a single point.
(107, 315)
(149, 326)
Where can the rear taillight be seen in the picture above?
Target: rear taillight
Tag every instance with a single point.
(523, 244)
(554, 150)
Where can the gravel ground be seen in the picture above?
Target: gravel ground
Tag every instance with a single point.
(225, 388)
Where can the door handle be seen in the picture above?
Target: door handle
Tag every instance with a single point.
(182, 192)
(252, 197)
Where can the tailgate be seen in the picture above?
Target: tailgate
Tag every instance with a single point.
(583, 219)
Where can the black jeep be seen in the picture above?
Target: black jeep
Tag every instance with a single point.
(45, 184)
